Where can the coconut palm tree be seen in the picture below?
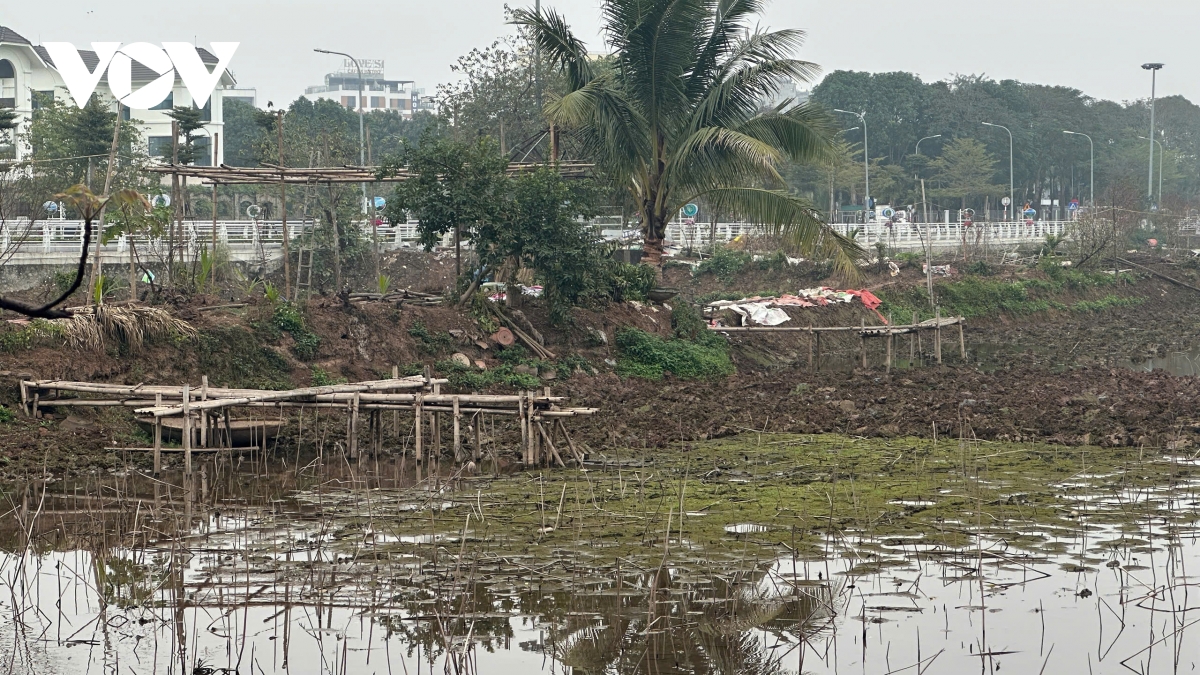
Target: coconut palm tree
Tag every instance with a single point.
(677, 114)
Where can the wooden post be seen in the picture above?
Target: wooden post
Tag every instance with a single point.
(187, 431)
(228, 431)
(203, 412)
(457, 437)
(157, 436)
(888, 367)
(937, 346)
(862, 341)
(353, 441)
(477, 449)
(817, 340)
(419, 412)
(962, 342)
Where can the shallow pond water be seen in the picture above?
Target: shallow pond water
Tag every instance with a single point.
(982, 565)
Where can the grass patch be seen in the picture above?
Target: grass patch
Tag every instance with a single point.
(650, 357)
(25, 337)
(975, 296)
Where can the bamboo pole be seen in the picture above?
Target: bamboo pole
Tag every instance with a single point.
(524, 431)
(937, 347)
(817, 338)
(187, 432)
(888, 367)
(476, 449)
(158, 440)
(862, 342)
(457, 437)
(912, 342)
(204, 413)
(353, 440)
(395, 414)
(550, 445)
(962, 343)
(418, 431)
(811, 338)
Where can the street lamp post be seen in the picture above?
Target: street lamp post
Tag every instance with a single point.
(1012, 198)
(1160, 166)
(1092, 180)
(362, 145)
(866, 159)
(918, 151)
(1153, 68)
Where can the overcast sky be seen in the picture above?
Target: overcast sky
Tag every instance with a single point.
(1096, 46)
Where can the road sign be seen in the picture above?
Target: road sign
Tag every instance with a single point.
(1073, 204)
(1005, 201)
(690, 210)
(50, 207)
(380, 202)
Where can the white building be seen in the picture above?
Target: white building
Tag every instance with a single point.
(378, 93)
(28, 77)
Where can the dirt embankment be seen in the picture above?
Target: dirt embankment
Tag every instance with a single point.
(1045, 376)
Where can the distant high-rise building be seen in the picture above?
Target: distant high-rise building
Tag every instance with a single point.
(378, 92)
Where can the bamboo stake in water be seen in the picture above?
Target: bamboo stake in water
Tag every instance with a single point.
(158, 438)
(187, 432)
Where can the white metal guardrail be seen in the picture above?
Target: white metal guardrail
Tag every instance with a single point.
(54, 242)
(897, 236)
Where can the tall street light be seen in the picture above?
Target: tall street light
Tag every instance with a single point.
(866, 158)
(1160, 166)
(362, 145)
(1012, 198)
(1153, 68)
(1092, 180)
(918, 151)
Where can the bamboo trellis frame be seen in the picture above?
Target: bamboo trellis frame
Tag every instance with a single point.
(204, 409)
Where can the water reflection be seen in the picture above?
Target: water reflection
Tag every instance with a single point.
(340, 569)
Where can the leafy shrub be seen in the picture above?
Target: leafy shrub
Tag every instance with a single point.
(649, 356)
(466, 377)
(321, 378)
(631, 282)
(687, 322)
(430, 343)
(979, 268)
(287, 317)
(6, 415)
(724, 264)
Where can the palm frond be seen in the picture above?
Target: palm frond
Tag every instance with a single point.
(557, 44)
(803, 132)
(793, 219)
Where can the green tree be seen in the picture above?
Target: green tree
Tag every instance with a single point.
(966, 169)
(8, 122)
(677, 117)
(187, 119)
(245, 139)
(454, 185)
